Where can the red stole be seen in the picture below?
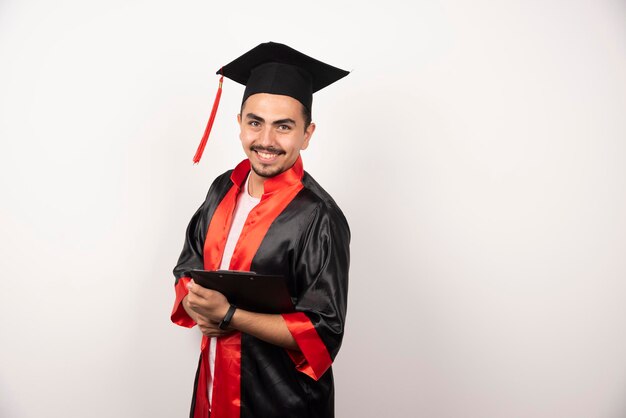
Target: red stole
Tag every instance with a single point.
(279, 191)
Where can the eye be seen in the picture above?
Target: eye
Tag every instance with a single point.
(284, 127)
(254, 123)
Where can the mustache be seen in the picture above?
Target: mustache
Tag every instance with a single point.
(270, 150)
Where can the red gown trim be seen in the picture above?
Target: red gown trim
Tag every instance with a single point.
(179, 315)
(279, 191)
(223, 388)
(202, 409)
(313, 358)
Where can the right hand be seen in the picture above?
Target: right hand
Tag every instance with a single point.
(208, 327)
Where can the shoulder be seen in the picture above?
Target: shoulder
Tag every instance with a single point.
(223, 179)
(221, 184)
(321, 202)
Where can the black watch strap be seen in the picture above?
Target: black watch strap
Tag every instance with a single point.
(227, 318)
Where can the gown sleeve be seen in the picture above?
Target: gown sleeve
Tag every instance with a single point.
(192, 255)
(190, 258)
(321, 272)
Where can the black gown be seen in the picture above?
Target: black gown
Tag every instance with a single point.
(296, 231)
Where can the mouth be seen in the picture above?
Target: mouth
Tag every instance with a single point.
(267, 155)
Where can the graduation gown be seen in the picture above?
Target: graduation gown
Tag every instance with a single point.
(296, 231)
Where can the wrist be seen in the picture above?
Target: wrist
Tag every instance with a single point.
(225, 323)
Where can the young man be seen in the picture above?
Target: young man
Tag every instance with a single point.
(268, 216)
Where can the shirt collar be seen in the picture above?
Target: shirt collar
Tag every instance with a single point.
(285, 179)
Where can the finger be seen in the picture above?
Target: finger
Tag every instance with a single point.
(195, 297)
(193, 288)
(200, 291)
(206, 322)
(192, 300)
(212, 331)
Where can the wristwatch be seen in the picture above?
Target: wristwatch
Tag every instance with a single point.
(227, 318)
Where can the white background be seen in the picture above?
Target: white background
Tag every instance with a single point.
(478, 150)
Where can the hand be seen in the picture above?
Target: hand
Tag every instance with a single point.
(208, 304)
(210, 328)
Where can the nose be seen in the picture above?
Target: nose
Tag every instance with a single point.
(266, 137)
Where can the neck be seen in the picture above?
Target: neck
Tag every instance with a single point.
(255, 185)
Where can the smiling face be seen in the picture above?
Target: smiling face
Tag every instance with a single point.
(272, 133)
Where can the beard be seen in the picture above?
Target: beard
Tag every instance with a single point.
(266, 170)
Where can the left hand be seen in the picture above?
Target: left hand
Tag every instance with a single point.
(208, 303)
(210, 328)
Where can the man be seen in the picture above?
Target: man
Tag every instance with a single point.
(268, 216)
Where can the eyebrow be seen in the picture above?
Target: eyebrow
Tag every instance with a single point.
(276, 122)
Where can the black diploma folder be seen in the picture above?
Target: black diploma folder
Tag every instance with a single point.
(248, 290)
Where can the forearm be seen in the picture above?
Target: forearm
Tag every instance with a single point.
(267, 327)
(208, 305)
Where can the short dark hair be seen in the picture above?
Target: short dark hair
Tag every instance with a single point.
(306, 114)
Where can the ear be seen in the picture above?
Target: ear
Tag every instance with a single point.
(308, 133)
(239, 122)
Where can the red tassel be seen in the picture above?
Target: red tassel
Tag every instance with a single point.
(207, 131)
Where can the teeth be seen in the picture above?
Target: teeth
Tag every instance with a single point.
(265, 155)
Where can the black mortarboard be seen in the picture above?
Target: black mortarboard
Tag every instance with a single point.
(276, 69)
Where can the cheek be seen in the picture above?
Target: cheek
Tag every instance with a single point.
(247, 136)
(298, 143)
(244, 136)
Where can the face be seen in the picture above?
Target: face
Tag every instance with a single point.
(272, 132)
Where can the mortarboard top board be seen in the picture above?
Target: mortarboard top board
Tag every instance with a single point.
(275, 69)
(278, 69)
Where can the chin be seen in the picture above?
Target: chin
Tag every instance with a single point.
(267, 172)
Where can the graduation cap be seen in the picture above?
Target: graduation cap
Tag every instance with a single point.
(275, 69)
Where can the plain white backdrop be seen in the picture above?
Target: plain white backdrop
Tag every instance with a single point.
(478, 150)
